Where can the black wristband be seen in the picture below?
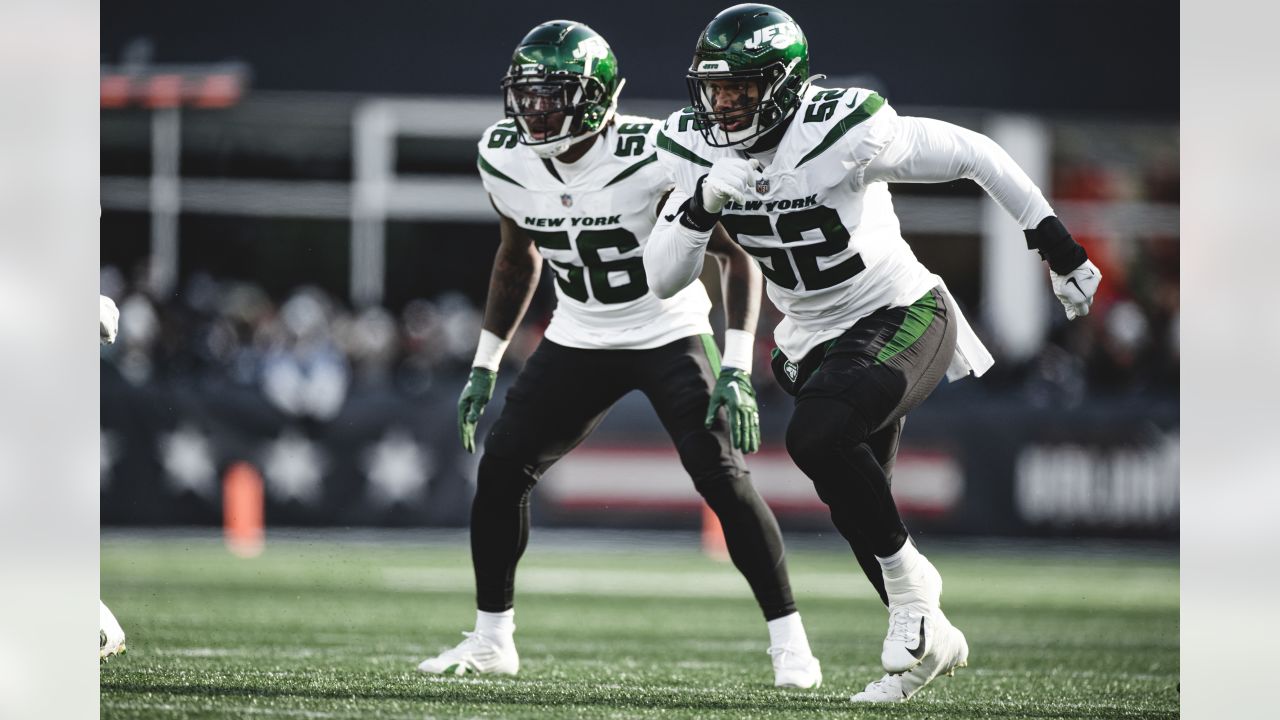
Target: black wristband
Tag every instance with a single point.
(693, 215)
(1056, 245)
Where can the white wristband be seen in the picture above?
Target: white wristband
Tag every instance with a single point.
(489, 351)
(739, 348)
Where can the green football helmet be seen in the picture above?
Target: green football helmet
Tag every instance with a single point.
(749, 72)
(562, 86)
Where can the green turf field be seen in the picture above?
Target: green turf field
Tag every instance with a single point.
(317, 628)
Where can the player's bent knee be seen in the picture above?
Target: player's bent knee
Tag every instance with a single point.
(823, 427)
(708, 458)
(816, 431)
(501, 478)
(724, 485)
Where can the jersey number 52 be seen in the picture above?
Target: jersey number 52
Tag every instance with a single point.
(775, 263)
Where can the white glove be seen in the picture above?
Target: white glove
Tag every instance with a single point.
(108, 320)
(728, 180)
(1075, 289)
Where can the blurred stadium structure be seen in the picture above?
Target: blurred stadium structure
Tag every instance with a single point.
(300, 246)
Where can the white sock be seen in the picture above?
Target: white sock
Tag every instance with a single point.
(787, 631)
(901, 562)
(500, 626)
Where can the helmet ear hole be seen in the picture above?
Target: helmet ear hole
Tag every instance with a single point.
(589, 119)
(789, 93)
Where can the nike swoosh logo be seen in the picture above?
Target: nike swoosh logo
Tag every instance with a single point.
(1073, 282)
(918, 652)
(669, 218)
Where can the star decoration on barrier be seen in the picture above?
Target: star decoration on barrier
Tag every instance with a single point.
(188, 463)
(398, 469)
(293, 467)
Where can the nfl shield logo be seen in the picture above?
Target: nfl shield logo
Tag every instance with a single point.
(566, 200)
(762, 186)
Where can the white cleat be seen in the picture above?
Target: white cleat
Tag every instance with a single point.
(478, 654)
(885, 690)
(914, 600)
(948, 652)
(110, 635)
(792, 669)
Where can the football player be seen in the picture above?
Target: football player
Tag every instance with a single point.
(578, 186)
(110, 634)
(797, 174)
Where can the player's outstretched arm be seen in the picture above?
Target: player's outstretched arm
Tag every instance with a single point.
(516, 269)
(675, 251)
(740, 282)
(926, 150)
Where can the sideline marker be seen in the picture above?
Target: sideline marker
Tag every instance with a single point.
(713, 543)
(243, 514)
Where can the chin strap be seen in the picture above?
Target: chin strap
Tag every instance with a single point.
(546, 151)
(770, 139)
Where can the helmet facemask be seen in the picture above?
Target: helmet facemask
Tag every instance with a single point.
(555, 110)
(758, 100)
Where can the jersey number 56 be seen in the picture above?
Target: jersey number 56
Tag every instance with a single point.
(573, 279)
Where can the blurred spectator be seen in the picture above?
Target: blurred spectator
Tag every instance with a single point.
(1117, 364)
(371, 341)
(139, 327)
(304, 373)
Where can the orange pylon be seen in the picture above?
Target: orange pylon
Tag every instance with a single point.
(713, 543)
(243, 515)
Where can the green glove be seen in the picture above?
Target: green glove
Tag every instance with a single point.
(471, 404)
(733, 390)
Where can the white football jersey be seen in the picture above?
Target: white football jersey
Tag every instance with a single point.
(828, 245)
(590, 221)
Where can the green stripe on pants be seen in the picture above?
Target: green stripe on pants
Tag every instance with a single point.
(919, 317)
(713, 353)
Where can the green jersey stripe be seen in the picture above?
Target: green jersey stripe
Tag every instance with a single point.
(551, 168)
(633, 169)
(485, 166)
(671, 146)
(868, 108)
(919, 317)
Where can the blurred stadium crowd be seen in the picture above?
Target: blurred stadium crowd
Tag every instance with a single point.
(306, 351)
